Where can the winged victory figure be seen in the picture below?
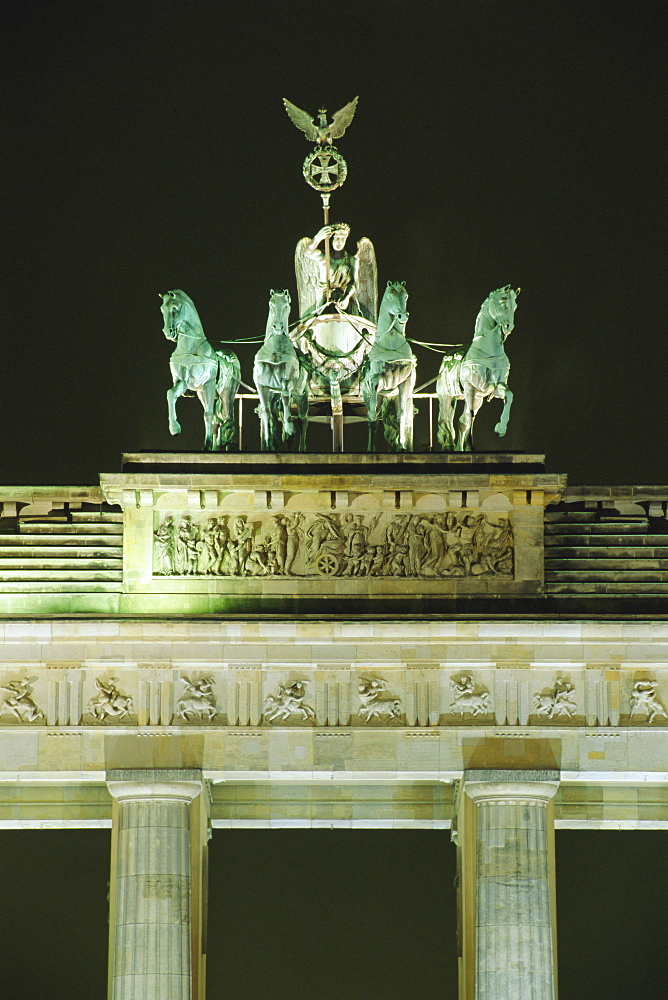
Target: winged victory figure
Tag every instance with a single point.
(338, 331)
(320, 132)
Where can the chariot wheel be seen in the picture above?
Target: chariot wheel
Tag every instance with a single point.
(327, 564)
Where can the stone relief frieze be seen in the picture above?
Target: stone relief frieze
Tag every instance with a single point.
(17, 701)
(559, 702)
(461, 544)
(288, 701)
(644, 701)
(468, 697)
(109, 702)
(374, 703)
(198, 700)
(222, 696)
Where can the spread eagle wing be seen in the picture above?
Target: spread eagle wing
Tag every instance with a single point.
(307, 274)
(367, 279)
(341, 119)
(304, 121)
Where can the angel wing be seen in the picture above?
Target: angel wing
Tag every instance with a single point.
(367, 276)
(304, 121)
(307, 274)
(341, 119)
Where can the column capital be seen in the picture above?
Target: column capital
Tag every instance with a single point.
(154, 783)
(511, 786)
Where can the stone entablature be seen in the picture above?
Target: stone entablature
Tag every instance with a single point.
(312, 698)
(329, 694)
(236, 534)
(272, 526)
(51, 802)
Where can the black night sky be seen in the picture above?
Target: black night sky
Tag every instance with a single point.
(146, 148)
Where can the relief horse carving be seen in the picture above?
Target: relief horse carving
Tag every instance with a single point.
(280, 376)
(213, 374)
(481, 373)
(389, 371)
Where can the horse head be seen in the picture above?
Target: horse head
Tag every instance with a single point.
(393, 314)
(178, 311)
(279, 311)
(501, 305)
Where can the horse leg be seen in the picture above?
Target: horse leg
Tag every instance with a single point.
(504, 393)
(450, 423)
(370, 394)
(442, 436)
(286, 399)
(207, 397)
(266, 429)
(225, 416)
(466, 419)
(173, 394)
(445, 432)
(403, 403)
(302, 413)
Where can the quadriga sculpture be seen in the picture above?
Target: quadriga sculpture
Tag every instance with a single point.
(214, 375)
(481, 373)
(280, 376)
(389, 371)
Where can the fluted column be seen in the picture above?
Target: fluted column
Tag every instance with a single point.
(514, 954)
(150, 956)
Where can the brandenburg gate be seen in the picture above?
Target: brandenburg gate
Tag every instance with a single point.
(460, 642)
(421, 636)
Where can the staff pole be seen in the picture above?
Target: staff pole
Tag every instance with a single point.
(325, 212)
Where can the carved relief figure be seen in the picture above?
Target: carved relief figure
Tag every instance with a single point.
(109, 701)
(645, 701)
(373, 704)
(294, 540)
(198, 700)
(288, 701)
(332, 544)
(206, 547)
(18, 700)
(277, 542)
(165, 547)
(467, 698)
(186, 547)
(561, 701)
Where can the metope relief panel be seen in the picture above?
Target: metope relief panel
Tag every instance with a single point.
(198, 701)
(318, 544)
(20, 702)
(287, 702)
(557, 703)
(377, 703)
(470, 699)
(646, 705)
(111, 703)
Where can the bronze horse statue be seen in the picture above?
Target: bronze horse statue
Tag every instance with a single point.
(280, 376)
(481, 373)
(389, 372)
(214, 375)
